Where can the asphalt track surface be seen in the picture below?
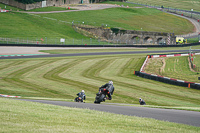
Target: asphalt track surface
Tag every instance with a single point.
(91, 54)
(177, 116)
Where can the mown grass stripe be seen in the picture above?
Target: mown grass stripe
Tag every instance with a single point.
(14, 78)
(54, 75)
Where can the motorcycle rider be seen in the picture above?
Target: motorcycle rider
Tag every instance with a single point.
(141, 101)
(82, 95)
(110, 88)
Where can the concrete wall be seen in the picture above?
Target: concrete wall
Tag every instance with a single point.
(131, 36)
(14, 3)
(39, 4)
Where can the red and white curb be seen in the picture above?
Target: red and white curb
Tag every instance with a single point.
(170, 55)
(4, 10)
(173, 55)
(2, 95)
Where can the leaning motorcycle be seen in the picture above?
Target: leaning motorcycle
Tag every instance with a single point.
(101, 95)
(78, 99)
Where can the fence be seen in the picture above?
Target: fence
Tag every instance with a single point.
(60, 41)
(66, 41)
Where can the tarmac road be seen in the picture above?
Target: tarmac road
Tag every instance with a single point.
(89, 54)
(176, 116)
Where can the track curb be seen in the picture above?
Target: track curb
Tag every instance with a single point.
(168, 80)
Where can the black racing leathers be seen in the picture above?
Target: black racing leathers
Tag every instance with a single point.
(82, 95)
(110, 88)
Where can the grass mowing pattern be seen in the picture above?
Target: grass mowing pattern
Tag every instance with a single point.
(62, 78)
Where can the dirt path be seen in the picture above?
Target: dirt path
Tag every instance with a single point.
(82, 7)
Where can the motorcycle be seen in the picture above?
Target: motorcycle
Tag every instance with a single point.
(78, 99)
(142, 103)
(101, 95)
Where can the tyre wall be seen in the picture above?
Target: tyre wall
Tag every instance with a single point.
(167, 80)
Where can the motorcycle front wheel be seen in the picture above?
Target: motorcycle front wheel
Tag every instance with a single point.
(99, 99)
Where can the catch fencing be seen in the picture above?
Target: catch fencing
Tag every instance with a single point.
(53, 41)
(168, 80)
(83, 41)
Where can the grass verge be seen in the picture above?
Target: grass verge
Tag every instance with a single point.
(21, 116)
(178, 4)
(173, 67)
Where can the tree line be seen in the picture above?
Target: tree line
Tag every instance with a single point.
(28, 1)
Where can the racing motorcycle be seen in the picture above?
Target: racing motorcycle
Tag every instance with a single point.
(101, 95)
(78, 99)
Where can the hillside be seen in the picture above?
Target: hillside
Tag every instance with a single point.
(178, 4)
(53, 26)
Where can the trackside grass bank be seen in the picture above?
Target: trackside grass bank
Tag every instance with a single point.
(174, 67)
(179, 4)
(54, 26)
(21, 116)
(62, 78)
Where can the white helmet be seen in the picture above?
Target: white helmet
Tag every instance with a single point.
(83, 91)
(110, 82)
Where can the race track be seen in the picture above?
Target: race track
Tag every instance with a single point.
(90, 54)
(177, 116)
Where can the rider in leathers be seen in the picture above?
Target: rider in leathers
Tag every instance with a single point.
(82, 95)
(110, 88)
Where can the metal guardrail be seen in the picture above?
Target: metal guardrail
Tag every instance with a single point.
(169, 8)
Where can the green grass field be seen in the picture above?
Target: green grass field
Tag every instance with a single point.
(23, 117)
(173, 67)
(59, 25)
(128, 18)
(187, 4)
(62, 78)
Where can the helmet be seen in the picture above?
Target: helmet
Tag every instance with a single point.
(110, 82)
(140, 98)
(83, 91)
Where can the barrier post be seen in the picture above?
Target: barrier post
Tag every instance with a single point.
(188, 85)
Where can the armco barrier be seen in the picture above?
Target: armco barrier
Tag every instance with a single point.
(107, 45)
(167, 80)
